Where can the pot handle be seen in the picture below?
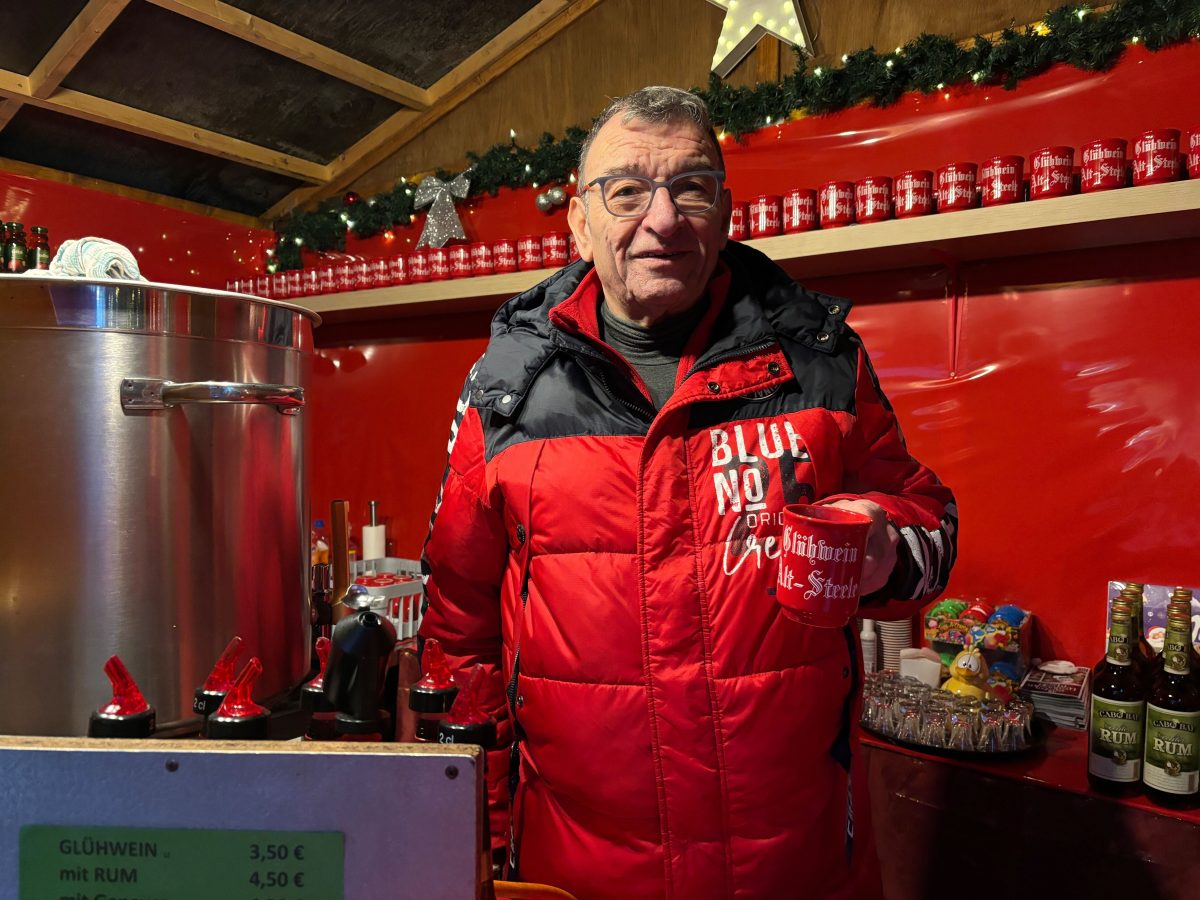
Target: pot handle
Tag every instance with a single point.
(156, 393)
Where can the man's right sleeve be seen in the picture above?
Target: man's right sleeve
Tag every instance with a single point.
(463, 564)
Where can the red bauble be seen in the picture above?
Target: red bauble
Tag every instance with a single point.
(350, 198)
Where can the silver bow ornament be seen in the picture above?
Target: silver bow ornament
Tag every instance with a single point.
(442, 225)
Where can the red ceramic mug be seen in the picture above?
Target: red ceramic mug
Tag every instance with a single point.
(572, 249)
(418, 266)
(873, 199)
(554, 249)
(279, 286)
(835, 202)
(1102, 165)
(913, 193)
(398, 269)
(821, 558)
(504, 256)
(262, 287)
(766, 216)
(439, 264)
(295, 283)
(310, 283)
(739, 221)
(460, 261)
(1050, 172)
(799, 210)
(1001, 180)
(380, 272)
(529, 252)
(1156, 156)
(360, 271)
(481, 259)
(326, 280)
(1193, 153)
(956, 186)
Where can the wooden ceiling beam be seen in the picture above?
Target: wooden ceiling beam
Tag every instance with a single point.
(93, 20)
(269, 36)
(106, 112)
(504, 51)
(17, 167)
(8, 109)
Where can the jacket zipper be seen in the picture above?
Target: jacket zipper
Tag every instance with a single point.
(635, 407)
(728, 355)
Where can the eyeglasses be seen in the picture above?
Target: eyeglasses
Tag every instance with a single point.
(626, 196)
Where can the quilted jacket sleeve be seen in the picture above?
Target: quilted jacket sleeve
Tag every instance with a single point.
(463, 564)
(878, 467)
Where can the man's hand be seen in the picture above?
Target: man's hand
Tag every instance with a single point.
(881, 544)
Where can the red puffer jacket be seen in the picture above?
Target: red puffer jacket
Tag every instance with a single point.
(613, 568)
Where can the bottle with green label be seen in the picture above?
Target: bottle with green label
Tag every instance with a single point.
(1171, 770)
(1117, 721)
(1180, 603)
(1143, 653)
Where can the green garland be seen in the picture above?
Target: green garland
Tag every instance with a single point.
(1070, 34)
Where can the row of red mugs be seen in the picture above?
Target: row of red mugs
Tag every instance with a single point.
(961, 185)
(529, 252)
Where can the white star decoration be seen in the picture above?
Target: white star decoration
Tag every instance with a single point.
(746, 21)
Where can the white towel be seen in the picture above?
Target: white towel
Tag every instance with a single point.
(93, 257)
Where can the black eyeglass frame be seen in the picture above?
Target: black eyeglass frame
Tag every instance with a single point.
(654, 186)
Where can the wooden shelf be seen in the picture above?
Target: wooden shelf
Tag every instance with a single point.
(1130, 216)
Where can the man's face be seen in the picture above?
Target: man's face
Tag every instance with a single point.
(659, 263)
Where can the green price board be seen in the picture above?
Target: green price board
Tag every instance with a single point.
(81, 863)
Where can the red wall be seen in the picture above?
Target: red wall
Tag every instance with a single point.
(170, 245)
(1055, 394)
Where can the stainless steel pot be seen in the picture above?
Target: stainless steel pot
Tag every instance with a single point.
(152, 493)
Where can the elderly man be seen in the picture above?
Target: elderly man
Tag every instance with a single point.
(603, 542)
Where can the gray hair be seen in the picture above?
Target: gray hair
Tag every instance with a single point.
(656, 104)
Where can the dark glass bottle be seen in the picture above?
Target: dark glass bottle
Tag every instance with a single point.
(1144, 656)
(1180, 604)
(1117, 723)
(14, 248)
(38, 252)
(1171, 770)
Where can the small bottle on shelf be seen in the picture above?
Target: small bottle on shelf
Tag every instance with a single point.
(38, 252)
(14, 248)
(1180, 603)
(1171, 770)
(1117, 721)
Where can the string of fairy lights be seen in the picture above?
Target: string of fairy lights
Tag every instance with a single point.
(1074, 35)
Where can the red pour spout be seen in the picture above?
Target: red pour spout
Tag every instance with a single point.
(238, 703)
(318, 683)
(467, 709)
(127, 699)
(437, 671)
(220, 678)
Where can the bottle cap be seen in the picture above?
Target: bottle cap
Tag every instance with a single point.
(312, 695)
(467, 722)
(239, 717)
(127, 714)
(208, 697)
(435, 692)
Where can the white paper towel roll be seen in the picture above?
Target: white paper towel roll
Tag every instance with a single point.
(374, 543)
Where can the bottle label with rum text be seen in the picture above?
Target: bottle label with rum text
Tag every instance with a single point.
(1172, 750)
(1115, 739)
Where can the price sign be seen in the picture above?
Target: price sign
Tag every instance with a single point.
(81, 863)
